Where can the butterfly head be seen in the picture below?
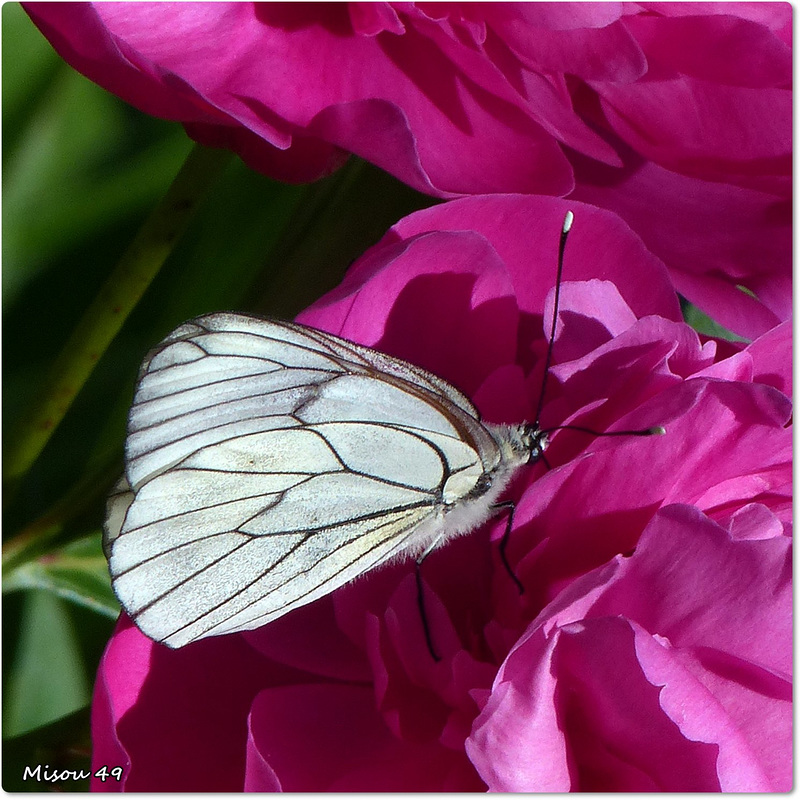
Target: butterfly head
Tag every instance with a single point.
(534, 440)
(521, 444)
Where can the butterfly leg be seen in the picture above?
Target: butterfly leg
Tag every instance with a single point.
(510, 506)
(421, 597)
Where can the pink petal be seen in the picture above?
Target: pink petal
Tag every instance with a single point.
(699, 713)
(600, 49)
(328, 737)
(450, 288)
(594, 311)
(774, 16)
(372, 18)
(706, 130)
(725, 444)
(772, 358)
(718, 49)
(718, 236)
(524, 231)
(684, 562)
(575, 712)
(310, 639)
(182, 714)
(754, 521)
(516, 742)
(122, 673)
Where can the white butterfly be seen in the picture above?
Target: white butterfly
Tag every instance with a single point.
(268, 463)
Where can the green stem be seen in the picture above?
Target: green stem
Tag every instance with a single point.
(116, 299)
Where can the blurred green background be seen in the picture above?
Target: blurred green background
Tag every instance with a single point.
(81, 172)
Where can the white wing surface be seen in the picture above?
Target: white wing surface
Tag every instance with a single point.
(268, 463)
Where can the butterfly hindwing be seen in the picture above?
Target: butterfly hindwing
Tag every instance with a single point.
(267, 464)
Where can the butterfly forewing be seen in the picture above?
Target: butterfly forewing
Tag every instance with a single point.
(268, 463)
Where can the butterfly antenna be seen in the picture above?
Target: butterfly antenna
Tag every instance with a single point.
(655, 430)
(565, 229)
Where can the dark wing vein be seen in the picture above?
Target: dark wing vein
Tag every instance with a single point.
(294, 601)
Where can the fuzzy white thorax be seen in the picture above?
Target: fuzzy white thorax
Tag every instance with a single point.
(518, 445)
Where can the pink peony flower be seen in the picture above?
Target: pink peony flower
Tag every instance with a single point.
(676, 116)
(651, 648)
(664, 671)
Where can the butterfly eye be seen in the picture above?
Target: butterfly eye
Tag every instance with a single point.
(537, 444)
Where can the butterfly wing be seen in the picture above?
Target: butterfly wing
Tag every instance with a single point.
(268, 464)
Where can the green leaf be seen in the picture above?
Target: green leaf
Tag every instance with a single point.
(63, 745)
(47, 679)
(118, 296)
(28, 66)
(702, 323)
(71, 163)
(338, 219)
(76, 573)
